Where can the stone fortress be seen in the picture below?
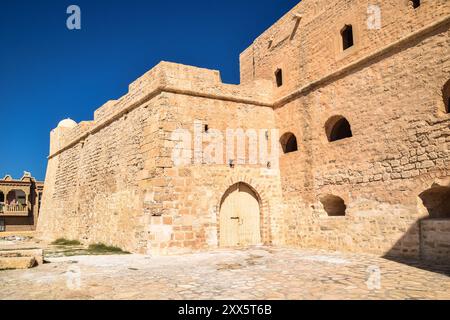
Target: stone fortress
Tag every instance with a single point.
(359, 91)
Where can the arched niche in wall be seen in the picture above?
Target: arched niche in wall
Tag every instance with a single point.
(333, 205)
(338, 128)
(288, 142)
(436, 200)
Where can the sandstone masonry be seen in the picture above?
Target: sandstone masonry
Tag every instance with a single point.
(368, 127)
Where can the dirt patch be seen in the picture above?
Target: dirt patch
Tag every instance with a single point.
(254, 260)
(229, 266)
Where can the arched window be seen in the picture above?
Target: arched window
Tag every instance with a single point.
(279, 77)
(334, 206)
(446, 96)
(338, 128)
(437, 201)
(347, 37)
(16, 197)
(289, 143)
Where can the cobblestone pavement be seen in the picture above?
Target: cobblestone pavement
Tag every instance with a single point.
(255, 273)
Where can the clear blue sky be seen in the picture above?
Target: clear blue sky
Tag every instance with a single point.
(48, 73)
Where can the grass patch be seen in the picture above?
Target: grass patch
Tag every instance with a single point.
(100, 248)
(64, 250)
(65, 242)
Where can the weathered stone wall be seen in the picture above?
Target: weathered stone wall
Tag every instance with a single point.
(113, 180)
(309, 50)
(92, 189)
(400, 147)
(188, 197)
(435, 236)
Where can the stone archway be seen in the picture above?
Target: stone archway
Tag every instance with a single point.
(240, 217)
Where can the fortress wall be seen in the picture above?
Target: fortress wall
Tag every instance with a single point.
(113, 180)
(101, 174)
(315, 49)
(185, 200)
(81, 129)
(92, 189)
(400, 147)
(246, 66)
(435, 239)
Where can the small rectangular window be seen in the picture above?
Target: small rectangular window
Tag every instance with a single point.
(446, 96)
(279, 77)
(2, 225)
(347, 37)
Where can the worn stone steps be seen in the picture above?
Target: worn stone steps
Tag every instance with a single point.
(21, 258)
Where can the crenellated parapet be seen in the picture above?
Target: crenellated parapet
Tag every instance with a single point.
(165, 77)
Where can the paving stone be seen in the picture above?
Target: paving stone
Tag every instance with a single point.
(197, 277)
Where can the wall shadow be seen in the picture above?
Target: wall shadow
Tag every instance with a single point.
(422, 246)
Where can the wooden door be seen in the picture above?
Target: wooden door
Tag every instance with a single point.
(240, 217)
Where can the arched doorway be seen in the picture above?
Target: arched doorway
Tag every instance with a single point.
(240, 217)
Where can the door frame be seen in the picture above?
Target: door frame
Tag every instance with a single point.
(263, 226)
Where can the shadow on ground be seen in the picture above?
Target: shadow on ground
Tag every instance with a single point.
(424, 246)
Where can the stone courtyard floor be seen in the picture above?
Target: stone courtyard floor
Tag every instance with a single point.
(251, 274)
